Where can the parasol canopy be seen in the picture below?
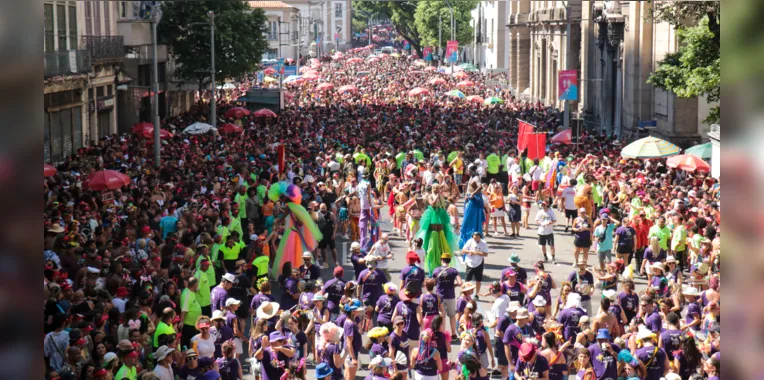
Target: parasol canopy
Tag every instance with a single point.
(325, 87)
(430, 68)
(264, 112)
(48, 170)
(310, 76)
(494, 100)
(650, 147)
(269, 71)
(565, 137)
(292, 78)
(348, 88)
(305, 69)
(140, 127)
(475, 99)
(465, 83)
(456, 94)
(270, 80)
(198, 129)
(704, 151)
(149, 134)
(236, 113)
(689, 163)
(354, 60)
(419, 91)
(230, 128)
(435, 81)
(107, 180)
(461, 75)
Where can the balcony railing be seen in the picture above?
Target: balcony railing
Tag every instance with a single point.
(104, 48)
(67, 62)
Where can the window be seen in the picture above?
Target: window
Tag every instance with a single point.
(97, 18)
(273, 30)
(123, 9)
(109, 91)
(61, 26)
(338, 10)
(107, 17)
(99, 91)
(88, 18)
(73, 28)
(50, 34)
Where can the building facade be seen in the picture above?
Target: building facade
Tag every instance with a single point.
(490, 47)
(282, 29)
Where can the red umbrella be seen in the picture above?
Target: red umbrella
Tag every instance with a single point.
(149, 134)
(269, 71)
(107, 180)
(461, 75)
(565, 137)
(264, 113)
(140, 127)
(310, 76)
(325, 87)
(230, 128)
(354, 60)
(430, 68)
(419, 91)
(437, 81)
(475, 99)
(465, 83)
(305, 69)
(48, 170)
(348, 88)
(688, 163)
(236, 113)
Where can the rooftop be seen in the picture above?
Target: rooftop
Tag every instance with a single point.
(270, 4)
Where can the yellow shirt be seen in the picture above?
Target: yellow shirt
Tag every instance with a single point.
(458, 165)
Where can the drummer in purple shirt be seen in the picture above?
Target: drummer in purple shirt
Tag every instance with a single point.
(531, 365)
(353, 340)
(334, 289)
(446, 281)
(653, 357)
(291, 294)
(604, 356)
(412, 271)
(219, 294)
(386, 306)
(652, 318)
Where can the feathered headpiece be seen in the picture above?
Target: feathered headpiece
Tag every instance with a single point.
(280, 189)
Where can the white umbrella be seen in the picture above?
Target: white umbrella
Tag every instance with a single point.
(198, 129)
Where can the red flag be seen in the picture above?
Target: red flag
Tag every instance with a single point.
(524, 129)
(281, 158)
(536, 145)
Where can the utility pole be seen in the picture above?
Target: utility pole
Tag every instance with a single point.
(281, 57)
(156, 16)
(369, 28)
(566, 115)
(213, 105)
(440, 35)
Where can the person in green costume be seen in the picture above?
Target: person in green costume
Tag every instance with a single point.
(435, 230)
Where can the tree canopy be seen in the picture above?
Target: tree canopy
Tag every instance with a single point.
(239, 38)
(694, 69)
(429, 13)
(400, 13)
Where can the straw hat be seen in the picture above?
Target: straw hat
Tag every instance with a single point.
(267, 310)
(467, 286)
(609, 294)
(378, 332)
(691, 291)
(522, 313)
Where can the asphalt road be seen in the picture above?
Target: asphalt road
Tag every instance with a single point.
(500, 248)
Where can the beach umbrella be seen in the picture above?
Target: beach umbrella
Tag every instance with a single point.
(198, 129)
(48, 170)
(650, 147)
(354, 60)
(149, 134)
(269, 71)
(138, 128)
(465, 83)
(270, 80)
(372, 60)
(492, 99)
(292, 78)
(310, 76)
(435, 81)
(461, 75)
(264, 112)
(689, 163)
(704, 151)
(420, 62)
(430, 68)
(474, 99)
(236, 113)
(565, 137)
(456, 94)
(325, 87)
(305, 69)
(107, 180)
(419, 91)
(348, 88)
(230, 128)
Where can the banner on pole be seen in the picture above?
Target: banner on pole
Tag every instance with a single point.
(524, 130)
(452, 51)
(427, 53)
(567, 85)
(536, 145)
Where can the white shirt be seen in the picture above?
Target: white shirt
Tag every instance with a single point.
(428, 177)
(164, 373)
(119, 304)
(363, 194)
(334, 166)
(543, 217)
(569, 194)
(499, 307)
(510, 163)
(536, 173)
(204, 348)
(516, 173)
(381, 250)
(474, 261)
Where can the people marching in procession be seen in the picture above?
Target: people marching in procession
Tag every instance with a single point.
(270, 252)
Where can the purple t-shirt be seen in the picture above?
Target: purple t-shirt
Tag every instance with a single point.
(522, 274)
(513, 337)
(222, 335)
(351, 331)
(386, 306)
(306, 301)
(290, 289)
(670, 340)
(569, 319)
(629, 303)
(334, 290)
(693, 311)
(461, 304)
(532, 370)
(371, 282)
(400, 343)
(445, 282)
(274, 364)
(661, 257)
(407, 310)
(605, 365)
(327, 356)
(654, 322)
(411, 273)
(625, 237)
(311, 273)
(577, 279)
(515, 292)
(655, 365)
(377, 350)
(429, 303)
(218, 295)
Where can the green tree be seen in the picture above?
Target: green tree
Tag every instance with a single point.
(695, 69)
(239, 38)
(429, 14)
(400, 13)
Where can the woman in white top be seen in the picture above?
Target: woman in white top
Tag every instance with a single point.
(203, 343)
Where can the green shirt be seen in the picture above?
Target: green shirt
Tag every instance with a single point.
(546, 164)
(504, 160)
(203, 291)
(231, 253)
(162, 328)
(679, 238)
(223, 231)
(127, 373)
(597, 194)
(241, 200)
(662, 233)
(399, 159)
(649, 211)
(235, 225)
(190, 305)
(494, 161)
(261, 190)
(214, 254)
(261, 263)
(635, 204)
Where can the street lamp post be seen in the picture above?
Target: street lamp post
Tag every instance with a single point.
(156, 16)
(213, 106)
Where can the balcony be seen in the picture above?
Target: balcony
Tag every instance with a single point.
(104, 49)
(67, 62)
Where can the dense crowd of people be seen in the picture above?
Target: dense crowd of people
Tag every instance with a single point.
(175, 275)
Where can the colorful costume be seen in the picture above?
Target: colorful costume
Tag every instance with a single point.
(583, 199)
(435, 231)
(474, 217)
(300, 231)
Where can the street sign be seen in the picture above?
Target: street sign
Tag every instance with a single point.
(452, 51)
(567, 82)
(406, 45)
(647, 124)
(290, 70)
(427, 53)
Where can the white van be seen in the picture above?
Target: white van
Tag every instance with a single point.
(388, 50)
